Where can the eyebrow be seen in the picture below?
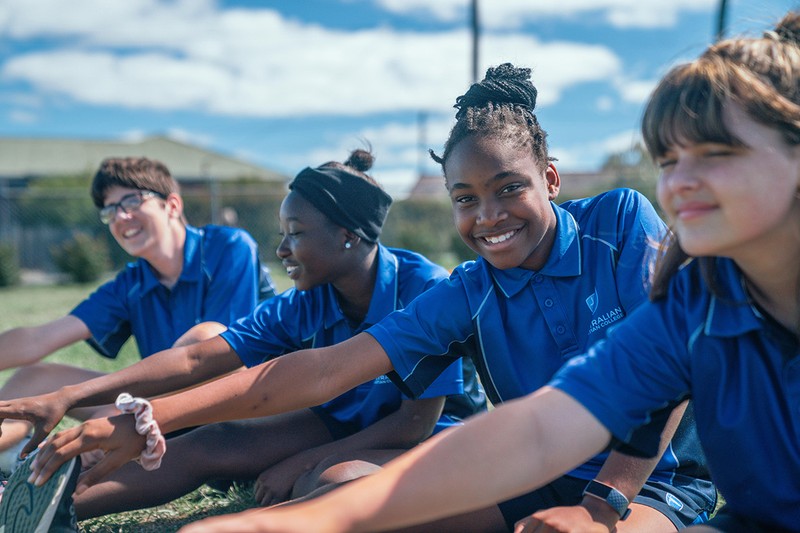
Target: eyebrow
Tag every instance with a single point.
(500, 176)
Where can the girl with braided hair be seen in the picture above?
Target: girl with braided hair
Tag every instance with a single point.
(549, 281)
(722, 328)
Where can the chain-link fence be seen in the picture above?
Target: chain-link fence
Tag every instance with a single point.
(35, 221)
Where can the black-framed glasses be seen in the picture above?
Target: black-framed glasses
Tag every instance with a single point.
(128, 203)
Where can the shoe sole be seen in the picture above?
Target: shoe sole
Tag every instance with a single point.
(25, 508)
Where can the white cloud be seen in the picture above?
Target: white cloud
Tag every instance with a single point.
(502, 14)
(591, 155)
(189, 56)
(22, 117)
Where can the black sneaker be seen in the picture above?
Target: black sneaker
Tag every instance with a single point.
(25, 508)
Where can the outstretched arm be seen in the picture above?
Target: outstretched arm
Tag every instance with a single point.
(293, 381)
(30, 344)
(515, 448)
(160, 373)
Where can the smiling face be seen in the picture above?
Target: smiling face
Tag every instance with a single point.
(312, 247)
(148, 230)
(501, 201)
(734, 201)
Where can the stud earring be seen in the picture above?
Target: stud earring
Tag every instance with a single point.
(348, 245)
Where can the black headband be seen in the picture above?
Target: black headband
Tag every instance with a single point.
(350, 201)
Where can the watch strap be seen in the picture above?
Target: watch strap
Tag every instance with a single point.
(610, 495)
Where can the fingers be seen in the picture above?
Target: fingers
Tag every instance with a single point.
(58, 450)
(39, 434)
(111, 462)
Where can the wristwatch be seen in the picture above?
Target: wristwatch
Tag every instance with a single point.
(610, 495)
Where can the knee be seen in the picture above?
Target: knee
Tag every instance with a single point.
(200, 332)
(334, 470)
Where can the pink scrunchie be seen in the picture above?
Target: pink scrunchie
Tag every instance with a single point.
(145, 425)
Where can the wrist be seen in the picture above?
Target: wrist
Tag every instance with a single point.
(600, 512)
(605, 503)
(69, 396)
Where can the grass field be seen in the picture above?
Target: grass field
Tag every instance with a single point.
(29, 305)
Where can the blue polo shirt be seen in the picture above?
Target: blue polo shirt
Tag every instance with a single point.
(219, 281)
(523, 325)
(295, 320)
(739, 367)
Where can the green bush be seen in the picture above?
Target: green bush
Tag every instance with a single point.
(9, 266)
(83, 258)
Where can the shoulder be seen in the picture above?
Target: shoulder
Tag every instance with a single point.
(415, 264)
(610, 203)
(225, 234)
(618, 210)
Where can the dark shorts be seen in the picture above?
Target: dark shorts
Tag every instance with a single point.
(682, 507)
(337, 428)
(733, 523)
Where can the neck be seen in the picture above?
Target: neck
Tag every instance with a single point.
(167, 261)
(355, 289)
(778, 293)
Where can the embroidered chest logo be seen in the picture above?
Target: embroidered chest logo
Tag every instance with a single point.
(604, 320)
(591, 301)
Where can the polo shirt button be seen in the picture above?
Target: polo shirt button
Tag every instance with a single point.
(537, 278)
(560, 330)
(548, 302)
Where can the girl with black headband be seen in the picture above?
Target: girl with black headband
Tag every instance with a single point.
(345, 281)
(550, 280)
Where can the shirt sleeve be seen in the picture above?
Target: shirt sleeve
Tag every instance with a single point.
(105, 314)
(270, 330)
(423, 339)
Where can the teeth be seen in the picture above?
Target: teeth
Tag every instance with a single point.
(289, 270)
(500, 238)
(130, 232)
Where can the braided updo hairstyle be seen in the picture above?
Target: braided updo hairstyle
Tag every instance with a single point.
(500, 106)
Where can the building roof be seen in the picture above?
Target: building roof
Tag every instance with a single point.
(573, 185)
(35, 157)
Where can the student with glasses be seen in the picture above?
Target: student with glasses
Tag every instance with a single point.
(185, 285)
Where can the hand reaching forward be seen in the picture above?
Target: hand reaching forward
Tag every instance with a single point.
(115, 436)
(44, 412)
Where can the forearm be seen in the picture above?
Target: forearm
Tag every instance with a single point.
(532, 441)
(164, 372)
(298, 380)
(628, 474)
(28, 345)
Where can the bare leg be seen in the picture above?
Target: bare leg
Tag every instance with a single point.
(337, 470)
(229, 450)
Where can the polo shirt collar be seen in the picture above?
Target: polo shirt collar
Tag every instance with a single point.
(564, 259)
(192, 262)
(384, 293)
(731, 315)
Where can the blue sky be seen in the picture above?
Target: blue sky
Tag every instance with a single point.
(292, 83)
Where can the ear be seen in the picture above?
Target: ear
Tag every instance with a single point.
(351, 240)
(553, 181)
(174, 205)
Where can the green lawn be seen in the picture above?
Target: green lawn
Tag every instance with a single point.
(29, 305)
